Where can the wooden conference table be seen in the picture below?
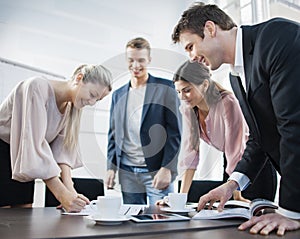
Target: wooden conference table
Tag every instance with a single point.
(49, 223)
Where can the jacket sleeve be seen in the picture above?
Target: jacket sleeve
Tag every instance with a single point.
(111, 147)
(277, 66)
(282, 65)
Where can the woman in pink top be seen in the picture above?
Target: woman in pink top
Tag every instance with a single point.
(39, 127)
(213, 114)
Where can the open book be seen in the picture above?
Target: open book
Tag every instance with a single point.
(236, 209)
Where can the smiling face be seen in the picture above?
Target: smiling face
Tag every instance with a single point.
(192, 95)
(87, 93)
(138, 60)
(205, 50)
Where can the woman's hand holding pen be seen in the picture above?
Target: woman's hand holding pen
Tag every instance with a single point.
(73, 202)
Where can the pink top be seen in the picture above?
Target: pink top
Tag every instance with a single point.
(226, 130)
(33, 126)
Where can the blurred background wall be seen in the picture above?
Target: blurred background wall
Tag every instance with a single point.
(53, 37)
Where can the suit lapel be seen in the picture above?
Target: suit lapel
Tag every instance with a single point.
(150, 93)
(240, 94)
(248, 46)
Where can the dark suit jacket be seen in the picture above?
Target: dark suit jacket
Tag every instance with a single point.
(272, 70)
(160, 114)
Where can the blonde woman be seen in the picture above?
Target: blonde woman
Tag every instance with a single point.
(39, 126)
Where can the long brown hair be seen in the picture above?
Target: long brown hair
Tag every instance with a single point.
(196, 74)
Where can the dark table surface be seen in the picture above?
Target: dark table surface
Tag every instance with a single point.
(50, 223)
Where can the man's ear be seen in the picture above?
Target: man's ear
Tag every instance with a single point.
(210, 28)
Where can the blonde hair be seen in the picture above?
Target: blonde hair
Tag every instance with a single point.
(96, 74)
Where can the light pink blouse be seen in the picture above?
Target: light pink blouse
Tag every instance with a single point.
(226, 130)
(33, 126)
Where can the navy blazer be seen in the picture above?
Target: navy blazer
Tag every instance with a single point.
(271, 53)
(160, 129)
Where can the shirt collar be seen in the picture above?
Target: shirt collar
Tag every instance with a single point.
(238, 67)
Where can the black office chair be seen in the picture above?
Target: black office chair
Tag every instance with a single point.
(90, 187)
(199, 188)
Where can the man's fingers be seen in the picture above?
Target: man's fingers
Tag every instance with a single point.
(281, 230)
(202, 202)
(221, 205)
(247, 224)
(154, 183)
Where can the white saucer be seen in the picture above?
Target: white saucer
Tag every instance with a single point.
(186, 209)
(109, 221)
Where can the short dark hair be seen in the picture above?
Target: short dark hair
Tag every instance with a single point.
(194, 18)
(139, 43)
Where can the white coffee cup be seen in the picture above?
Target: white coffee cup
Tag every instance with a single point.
(176, 201)
(108, 206)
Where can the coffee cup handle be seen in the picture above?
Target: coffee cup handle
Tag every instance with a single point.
(167, 200)
(93, 204)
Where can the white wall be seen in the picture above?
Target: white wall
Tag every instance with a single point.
(278, 9)
(58, 35)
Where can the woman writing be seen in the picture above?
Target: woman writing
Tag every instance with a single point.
(39, 127)
(213, 114)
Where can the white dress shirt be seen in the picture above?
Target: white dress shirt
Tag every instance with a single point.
(238, 70)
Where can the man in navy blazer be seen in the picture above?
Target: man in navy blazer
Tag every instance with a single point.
(144, 131)
(265, 78)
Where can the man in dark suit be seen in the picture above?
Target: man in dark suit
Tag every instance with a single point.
(265, 78)
(144, 131)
